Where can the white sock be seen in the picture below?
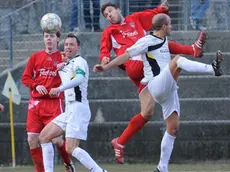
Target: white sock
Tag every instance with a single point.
(48, 156)
(166, 151)
(193, 66)
(86, 160)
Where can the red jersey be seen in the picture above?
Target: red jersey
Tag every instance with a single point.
(41, 69)
(122, 36)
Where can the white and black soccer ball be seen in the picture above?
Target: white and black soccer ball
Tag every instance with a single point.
(51, 23)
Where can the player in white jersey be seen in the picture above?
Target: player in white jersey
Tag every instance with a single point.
(74, 73)
(165, 72)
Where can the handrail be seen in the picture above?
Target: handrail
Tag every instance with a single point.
(19, 9)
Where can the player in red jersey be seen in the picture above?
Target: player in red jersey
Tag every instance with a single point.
(122, 34)
(40, 75)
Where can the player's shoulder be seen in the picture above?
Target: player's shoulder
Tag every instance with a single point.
(39, 52)
(156, 39)
(79, 59)
(36, 54)
(146, 39)
(110, 28)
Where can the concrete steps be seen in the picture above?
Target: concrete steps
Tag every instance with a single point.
(195, 142)
(190, 87)
(117, 110)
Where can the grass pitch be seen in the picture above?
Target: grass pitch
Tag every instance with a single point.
(202, 167)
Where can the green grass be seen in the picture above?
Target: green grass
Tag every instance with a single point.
(203, 167)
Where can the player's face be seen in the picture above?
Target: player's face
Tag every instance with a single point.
(113, 15)
(71, 47)
(51, 41)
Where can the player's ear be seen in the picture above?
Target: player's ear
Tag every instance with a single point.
(164, 26)
(119, 10)
(78, 47)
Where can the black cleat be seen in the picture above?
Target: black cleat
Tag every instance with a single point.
(156, 170)
(217, 62)
(69, 167)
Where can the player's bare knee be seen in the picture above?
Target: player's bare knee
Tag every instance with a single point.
(58, 141)
(69, 149)
(174, 132)
(173, 62)
(43, 138)
(148, 113)
(179, 60)
(33, 141)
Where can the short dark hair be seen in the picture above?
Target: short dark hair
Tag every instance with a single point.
(58, 33)
(71, 35)
(108, 4)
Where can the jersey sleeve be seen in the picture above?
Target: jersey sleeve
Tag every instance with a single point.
(28, 74)
(145, 17)
(80, 67)
(106, 44)
(138, 48)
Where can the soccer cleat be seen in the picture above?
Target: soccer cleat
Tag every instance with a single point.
(69, 167)
(198, 45)
(217, 62)
(119, 152)
(156, 170)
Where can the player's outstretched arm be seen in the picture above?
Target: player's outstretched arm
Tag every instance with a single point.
(114, 63)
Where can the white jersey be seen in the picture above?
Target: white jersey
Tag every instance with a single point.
(156, 57)
(154, 52)
(78, 93)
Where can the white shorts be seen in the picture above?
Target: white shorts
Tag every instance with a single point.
(74, 120)
(163, 88)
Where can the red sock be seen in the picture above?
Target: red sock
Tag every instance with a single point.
(135, 124)
(37, 159)
(176, 48)
(62, 152)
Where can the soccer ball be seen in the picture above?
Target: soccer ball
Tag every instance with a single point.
(51, 23)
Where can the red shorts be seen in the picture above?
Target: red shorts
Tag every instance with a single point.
(134, 69)
(41, 112)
